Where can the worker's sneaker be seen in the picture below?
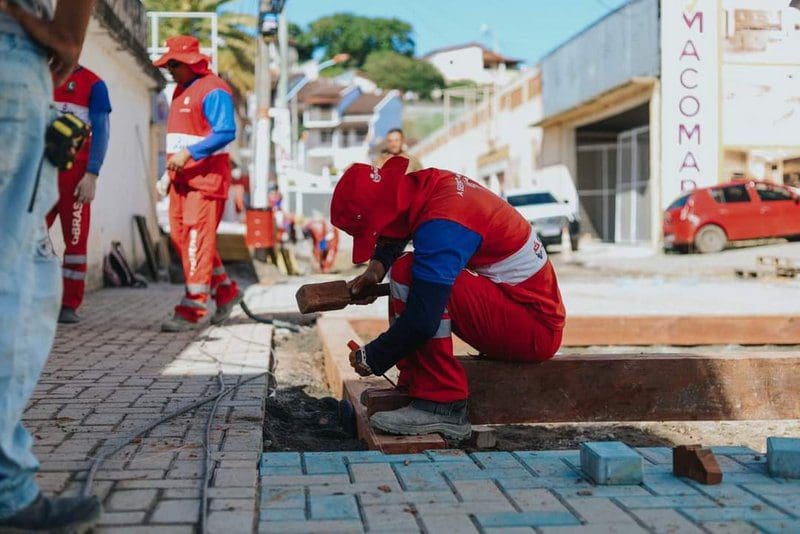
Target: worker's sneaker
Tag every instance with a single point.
(224, 311)
(68, 514)
(68, 316)
(178, 324)
(426, 417)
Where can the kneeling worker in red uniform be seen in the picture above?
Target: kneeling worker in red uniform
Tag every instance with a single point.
(84, 95)
(200, 125)
(478, 270)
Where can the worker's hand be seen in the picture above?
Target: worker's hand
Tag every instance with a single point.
(371, 277)
(64, 50)
(178, 161)
(162, 185)
(85, 190)
(358, 361)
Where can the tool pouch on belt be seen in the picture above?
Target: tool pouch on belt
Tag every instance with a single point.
(64, 139)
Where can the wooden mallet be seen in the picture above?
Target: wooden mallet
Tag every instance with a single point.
(329, 296)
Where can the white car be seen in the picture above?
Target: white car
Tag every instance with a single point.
(548, 216)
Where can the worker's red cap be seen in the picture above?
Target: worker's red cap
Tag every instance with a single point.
(365, 201)
(183, 48)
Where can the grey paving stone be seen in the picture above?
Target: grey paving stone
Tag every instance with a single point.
(131, 500)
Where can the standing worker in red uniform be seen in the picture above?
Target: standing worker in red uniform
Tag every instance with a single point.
(477, 269)
(84, 95)
(201, 124)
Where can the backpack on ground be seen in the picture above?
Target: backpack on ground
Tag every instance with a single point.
(116, 270)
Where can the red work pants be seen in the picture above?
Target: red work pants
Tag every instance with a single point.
(480, 313)
(74, 218)
(193, 220)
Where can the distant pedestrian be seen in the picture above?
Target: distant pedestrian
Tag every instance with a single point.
(396, 146)
(85, 95)
(33, 37)
(201, 124)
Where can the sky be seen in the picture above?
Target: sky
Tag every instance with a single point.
(523, 29)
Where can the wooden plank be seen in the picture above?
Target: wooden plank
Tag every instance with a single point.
(586, 331)
(335, 333)
(232, 247)
(639, 387)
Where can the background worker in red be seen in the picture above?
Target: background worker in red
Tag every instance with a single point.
(200, 125)
(477, 270)
(84, 95)
(325, 240)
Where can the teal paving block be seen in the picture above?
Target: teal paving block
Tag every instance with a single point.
(576, 482)
(323, 463)
(567, 454)
(526, 519)
(675, 501)
(603, 491)
(773, 489)
(405, 458)
(728, 449)
(668, 485)
(486, 474)
(611, 463)
(283, 498)
(656, 455)
(333, 507)
(733, 513)
(779, 526)
(448, 455)
(548, 466)
(280, 470)
(729, 495)
(783, 457)
(748, 478)
(788, 503)
(282, 514)
(497, 460)
(420, 477)
(280, 459)
(364, 457)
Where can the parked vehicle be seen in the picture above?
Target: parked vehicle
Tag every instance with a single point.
(548, 215)
(706, 219)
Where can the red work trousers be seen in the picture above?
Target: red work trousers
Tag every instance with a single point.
(480, 313)
(74, 218)
(193, 220)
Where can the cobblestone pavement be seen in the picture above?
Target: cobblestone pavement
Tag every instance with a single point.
(452, 492)
(115, 372)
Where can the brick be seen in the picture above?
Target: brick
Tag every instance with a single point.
(384, 400)
(333, 507)
(783, 457)
(611, 463)
(696, 463)
(183, 511)
(531, 519)
(736, 513)
(131, 500)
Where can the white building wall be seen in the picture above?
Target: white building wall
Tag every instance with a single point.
(460, 64)
(123, 188)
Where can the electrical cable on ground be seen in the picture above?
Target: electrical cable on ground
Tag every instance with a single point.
(207, 459)
(265, 320)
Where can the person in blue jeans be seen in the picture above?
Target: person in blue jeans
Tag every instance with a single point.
(37, 47)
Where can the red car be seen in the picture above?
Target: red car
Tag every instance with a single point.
(708, 218)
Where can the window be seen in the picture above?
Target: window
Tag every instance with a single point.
(531, 198)
(730, 194)
(769, 193)
(681, 202)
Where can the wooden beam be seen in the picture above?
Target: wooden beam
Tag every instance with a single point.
(635, 387)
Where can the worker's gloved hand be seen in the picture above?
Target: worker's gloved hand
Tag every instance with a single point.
(371, 277)
(162, 185)
(358, 361)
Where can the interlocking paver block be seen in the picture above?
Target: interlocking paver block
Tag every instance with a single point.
(345, 526)
(283, 514)
(478, 490)
(333, 507)
(392, 518)
(452, 524)
(497, 460)
(283, 498)
(321, 463)
(183, 511)
(734, 513)
(448, 455)
(420, 477)
(783, 457)
(536, 500)
(372, 472)
(667, 521)
(280, 459)
(521, 519)
(779, 526)
(599, 510)
(611, 463)
(131, 500)
(674, 501)
(668, 485)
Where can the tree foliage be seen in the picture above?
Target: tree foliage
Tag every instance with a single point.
(237, 42)
(357, 36)
(391, 70)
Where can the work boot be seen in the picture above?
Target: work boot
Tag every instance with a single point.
(68, 316)
(178, 324)
(224, 311)
(426, 417)
(65, 515)
(401, 390)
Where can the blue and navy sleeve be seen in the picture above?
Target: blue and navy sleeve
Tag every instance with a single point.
(219, 112)
(441, 251)
(99, 110)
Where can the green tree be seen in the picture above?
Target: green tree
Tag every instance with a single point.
(302, 42)
(391, 70)
(237, 41)
(358, 36)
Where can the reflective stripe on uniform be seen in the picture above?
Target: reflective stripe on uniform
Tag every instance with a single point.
(73, 274)
(189, 303)
(195, 289)
(178, 141)
(518, 267)
(444, 330)
(218, 271)
(399, 291)
(75, 259)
